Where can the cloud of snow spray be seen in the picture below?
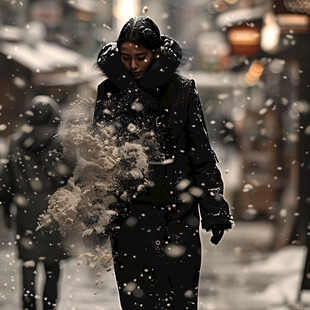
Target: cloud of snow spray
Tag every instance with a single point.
(108, 173)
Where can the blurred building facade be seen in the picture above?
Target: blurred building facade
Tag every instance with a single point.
(268, 47)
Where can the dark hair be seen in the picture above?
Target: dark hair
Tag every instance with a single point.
(140, 30)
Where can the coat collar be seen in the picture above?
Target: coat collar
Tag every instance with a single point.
(110, 63)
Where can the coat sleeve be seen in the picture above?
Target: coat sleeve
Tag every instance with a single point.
(214, 209)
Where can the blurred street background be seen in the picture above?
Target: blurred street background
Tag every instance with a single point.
(251, 63)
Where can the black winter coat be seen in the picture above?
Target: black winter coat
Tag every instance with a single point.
(34, 171)
(171, 107)
(157, 248)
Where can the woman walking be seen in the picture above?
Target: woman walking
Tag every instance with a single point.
(156, 248)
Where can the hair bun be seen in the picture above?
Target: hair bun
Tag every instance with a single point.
(141, 30)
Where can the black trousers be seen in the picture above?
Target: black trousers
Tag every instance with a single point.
(52, 273)
(156, 260)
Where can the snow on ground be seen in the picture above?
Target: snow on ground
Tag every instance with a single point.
(285, 261)
(228, 282)
(287, 265)
(282, 292)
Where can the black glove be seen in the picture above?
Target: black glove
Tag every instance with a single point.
(217, 235)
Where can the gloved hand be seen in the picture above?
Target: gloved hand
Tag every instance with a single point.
(217, 235)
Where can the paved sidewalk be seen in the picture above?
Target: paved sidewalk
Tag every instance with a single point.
(225, 281)
(78, 289)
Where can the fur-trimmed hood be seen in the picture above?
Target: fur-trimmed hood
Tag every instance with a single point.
(110, 63)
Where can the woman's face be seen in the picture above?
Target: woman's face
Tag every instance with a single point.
(136, 58)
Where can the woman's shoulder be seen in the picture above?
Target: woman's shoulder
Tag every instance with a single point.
(183, 81)
(106, 82)
(107, 86)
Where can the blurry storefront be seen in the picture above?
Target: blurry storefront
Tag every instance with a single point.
(30, 66)
(73, 24)
(296, 14)
(69, 23)
(263, 48)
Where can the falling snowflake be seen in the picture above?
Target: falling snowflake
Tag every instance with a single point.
(247, 188)
(3, 127)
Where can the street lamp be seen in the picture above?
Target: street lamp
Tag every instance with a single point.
(124, 10)
(270, 33)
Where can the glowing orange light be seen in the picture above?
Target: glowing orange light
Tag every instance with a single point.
(254, 73)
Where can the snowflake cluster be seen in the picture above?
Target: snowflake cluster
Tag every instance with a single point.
(107, 175)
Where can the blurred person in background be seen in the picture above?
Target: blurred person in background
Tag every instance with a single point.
(156, 248)
(33, 170)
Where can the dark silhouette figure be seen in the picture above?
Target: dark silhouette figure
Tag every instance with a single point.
(35, 168)
(156, 247)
